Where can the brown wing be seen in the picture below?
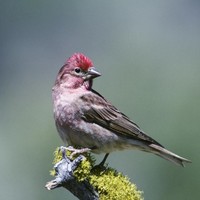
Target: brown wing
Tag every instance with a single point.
(106, 115)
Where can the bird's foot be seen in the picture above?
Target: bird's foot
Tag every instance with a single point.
(104, 160)
(101, 166)
(79, 151)
(75, 151)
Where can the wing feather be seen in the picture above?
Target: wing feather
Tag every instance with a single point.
(106, 115)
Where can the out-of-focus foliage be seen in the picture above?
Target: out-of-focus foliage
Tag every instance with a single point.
(148, 54)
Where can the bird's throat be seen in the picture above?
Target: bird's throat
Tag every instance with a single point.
(88, 84)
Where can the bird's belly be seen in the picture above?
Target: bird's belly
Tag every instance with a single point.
(93, 136)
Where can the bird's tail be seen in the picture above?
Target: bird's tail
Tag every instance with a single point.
(168, 155)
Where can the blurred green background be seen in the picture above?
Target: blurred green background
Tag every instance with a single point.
(149, 55)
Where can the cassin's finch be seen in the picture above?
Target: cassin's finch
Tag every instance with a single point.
(85, 119)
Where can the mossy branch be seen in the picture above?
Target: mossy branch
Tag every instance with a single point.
(89, 182)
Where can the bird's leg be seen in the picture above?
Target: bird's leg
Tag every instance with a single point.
(101, 166)
(75, 151)
(79, 151)
(104, 160)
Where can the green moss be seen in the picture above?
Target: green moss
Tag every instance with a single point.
(109, 183)
(57, 158)
(83, 170)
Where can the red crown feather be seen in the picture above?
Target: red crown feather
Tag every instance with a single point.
(80, 60)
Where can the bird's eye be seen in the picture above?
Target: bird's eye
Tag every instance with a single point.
(77, 70)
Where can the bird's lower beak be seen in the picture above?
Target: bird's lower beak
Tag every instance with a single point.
(91, 74)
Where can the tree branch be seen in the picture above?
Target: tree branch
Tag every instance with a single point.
(65, 178)
(89, 182)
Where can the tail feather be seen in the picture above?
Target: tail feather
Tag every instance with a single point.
(168, 155)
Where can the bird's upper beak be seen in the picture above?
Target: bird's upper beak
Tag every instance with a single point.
(92, 73)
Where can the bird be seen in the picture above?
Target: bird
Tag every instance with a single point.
(87, 121)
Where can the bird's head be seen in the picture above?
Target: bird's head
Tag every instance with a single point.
(78, 70)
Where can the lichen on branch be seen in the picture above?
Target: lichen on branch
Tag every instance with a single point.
(106, 182)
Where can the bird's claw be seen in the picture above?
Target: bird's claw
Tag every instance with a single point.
(73, 150)
(79, 151)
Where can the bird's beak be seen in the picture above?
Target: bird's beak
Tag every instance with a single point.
(92, 73)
